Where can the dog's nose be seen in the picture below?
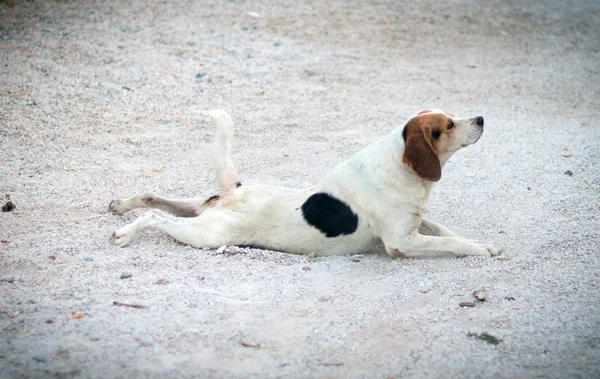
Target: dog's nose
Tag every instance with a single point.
(479, 121)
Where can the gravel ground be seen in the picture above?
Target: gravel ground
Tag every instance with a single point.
(102, 100)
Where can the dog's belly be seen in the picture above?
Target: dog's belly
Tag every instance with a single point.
(299, 221)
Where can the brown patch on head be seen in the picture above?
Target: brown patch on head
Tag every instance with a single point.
(425, 111)
(425, 137)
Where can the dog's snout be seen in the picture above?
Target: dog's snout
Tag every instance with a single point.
(479, 120)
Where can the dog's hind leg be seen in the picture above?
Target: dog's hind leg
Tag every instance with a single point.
(179, 207)
(227, 177)
(210, 229)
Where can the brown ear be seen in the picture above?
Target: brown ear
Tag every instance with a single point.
(421, 157)
(424, 111)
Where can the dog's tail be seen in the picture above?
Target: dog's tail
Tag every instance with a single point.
(227, 176)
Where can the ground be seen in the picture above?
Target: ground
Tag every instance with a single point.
(103, 100)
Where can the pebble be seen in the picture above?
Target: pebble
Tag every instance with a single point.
(40, 358)
(126, 275)
(127, 29)
(8, 207)
(8, 279)
(569, 173)
(480, 295)
(221, 249)
(306, 268)
(246, 343)
(356, 257)
(467, 304)
(88, 259)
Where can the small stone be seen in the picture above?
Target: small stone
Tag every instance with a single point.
(510, 298)
(488, 338)
(8, 279)
(233, 250)
(78, 315)
(127, 29)
(40, 358)
(221, 249)
(8, 207)
(160, 281)
(246, 343)
(467, 304)
(49, 321)
(306, 268)
(200, 75)
(356, 257)
(126, 275)
(480, 295)
(87, 259)
(569, 173)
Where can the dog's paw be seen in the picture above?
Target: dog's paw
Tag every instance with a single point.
(475, 251)
(116, 207)
(123, 236)
(493, 250)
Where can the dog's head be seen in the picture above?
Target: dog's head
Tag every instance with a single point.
(432, 134)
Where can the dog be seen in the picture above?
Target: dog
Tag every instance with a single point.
(377, 197)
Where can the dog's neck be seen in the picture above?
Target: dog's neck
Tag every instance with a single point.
(382, 161)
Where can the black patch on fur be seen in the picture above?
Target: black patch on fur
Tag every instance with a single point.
(331, 216)
(435, 134)
(404, 133)
(238, 185)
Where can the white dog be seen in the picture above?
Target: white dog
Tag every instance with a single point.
(377, 196)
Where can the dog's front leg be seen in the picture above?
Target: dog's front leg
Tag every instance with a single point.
(431, 228)
(418, 245)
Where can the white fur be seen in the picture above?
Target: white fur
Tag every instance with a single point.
(388, 197)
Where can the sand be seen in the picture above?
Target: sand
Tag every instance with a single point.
(104, 100)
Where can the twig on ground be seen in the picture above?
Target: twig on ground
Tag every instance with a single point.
(130, 305)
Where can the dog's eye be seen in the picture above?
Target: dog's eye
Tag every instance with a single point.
(451, 125)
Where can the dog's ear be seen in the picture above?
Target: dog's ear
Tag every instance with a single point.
(424, 111)
(420, 155)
